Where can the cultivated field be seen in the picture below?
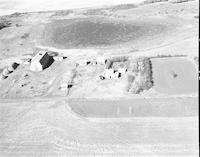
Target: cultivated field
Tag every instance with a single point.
(157, 107)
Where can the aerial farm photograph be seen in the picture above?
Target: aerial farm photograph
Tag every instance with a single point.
(99, 78)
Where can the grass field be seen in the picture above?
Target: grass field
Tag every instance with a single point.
(174, 76)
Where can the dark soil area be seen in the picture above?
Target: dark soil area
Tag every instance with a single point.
(96, 32)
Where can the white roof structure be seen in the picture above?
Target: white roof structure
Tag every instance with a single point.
(122, 70)
(108, 73)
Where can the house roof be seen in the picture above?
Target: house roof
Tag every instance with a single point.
(39, 55)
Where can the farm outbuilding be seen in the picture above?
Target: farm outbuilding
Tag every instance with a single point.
(41, 61)
(111, 74)
(13, 67)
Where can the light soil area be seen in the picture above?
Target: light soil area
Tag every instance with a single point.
(50, 128)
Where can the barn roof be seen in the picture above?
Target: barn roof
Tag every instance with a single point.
(39, 55)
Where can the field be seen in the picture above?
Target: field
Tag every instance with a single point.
(177, 76)
(50, 128)
(97, 32)
(157, 107)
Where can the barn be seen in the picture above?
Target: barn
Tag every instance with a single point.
(41, 61)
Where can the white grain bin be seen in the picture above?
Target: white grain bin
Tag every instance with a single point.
(41, 61)
(5, 72)
(82, 62)
(101, 60)
(94, 62)
(58, 58)
(122, 70)
(108, 73)
(116, 75)
(27, 62)
(63, 86)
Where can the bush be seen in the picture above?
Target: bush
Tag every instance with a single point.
(4, 23)
(143, 73)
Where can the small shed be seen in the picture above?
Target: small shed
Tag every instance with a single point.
(41, 61)
(13, 67)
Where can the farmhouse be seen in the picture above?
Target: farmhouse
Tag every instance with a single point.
(41, 61)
